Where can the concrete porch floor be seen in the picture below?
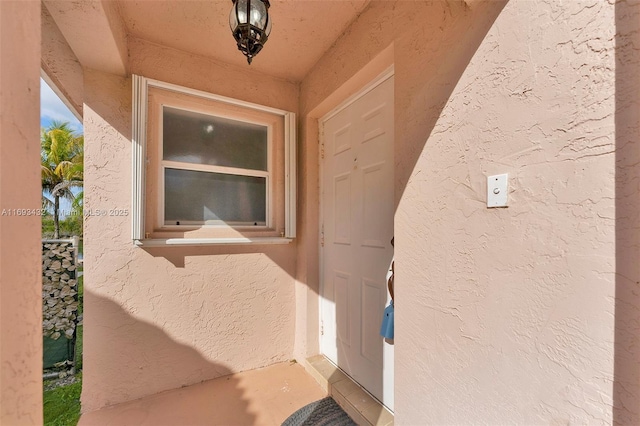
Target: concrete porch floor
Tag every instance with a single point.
(266, 396)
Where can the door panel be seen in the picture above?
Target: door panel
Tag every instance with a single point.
(342, 209)
(341, 286)
(357, 211)
(373, 223)
(342, 139)
(372, 295)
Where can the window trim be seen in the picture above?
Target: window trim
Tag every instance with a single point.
(141, 87)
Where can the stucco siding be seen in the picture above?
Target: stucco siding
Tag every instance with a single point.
(503, 315)
(514, 312)
(158, 319)
(20, 200)
(60, 64)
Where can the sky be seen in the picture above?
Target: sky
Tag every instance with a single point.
(52, 108)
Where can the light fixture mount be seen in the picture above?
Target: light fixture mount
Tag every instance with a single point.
(251, 25)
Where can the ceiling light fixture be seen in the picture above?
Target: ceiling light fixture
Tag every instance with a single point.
(251, 25)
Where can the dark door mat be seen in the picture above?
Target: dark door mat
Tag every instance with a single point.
(325, 412)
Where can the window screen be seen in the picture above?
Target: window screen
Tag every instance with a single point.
(199, 188)
(192, 196)
(192, 137)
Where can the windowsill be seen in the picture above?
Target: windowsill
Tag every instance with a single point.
(167, 242)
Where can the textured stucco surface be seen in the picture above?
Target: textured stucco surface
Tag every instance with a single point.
(199, 72)
(95, 32)
(300, 33)
(163, 318)
(60, 64)
(627, 314)
(514, 307)
(527, 315)
(505, 315)
(20, 282)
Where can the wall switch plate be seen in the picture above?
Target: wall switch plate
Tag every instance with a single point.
(497, 190)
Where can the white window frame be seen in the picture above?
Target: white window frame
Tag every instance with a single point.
(141, 86)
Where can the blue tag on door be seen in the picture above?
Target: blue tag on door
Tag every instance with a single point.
(386, 330)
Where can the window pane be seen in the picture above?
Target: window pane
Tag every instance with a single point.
(200, 196)
(192, 137)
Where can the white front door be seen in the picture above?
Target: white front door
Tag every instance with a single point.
(357, 220)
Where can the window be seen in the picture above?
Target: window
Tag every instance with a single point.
(209, 169)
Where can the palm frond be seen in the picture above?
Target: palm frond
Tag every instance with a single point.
(47, 203)
(62, 163)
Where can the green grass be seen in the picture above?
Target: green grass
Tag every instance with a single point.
(79, 349)
(62, 405)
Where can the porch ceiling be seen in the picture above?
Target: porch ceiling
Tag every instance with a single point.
(302, 30)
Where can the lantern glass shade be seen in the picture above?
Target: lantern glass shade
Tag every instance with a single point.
(241, 11)
(258, 14)
(267, 30)
(233, 19)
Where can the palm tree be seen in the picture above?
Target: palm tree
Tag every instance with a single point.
(62, 159)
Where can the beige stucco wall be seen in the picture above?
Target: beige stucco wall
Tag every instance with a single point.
(95, 32)
(159, 319)
(506, 315)
(503, 316)
(626, 386)
(516, 307)
(60, 65)
(20, 257)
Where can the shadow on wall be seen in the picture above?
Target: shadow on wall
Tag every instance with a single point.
(119, 332)
(626, 386)
(435, 75)
(280, 254)
(424, 77)
(207, 311)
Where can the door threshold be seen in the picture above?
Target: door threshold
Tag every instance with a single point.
(363, 408)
